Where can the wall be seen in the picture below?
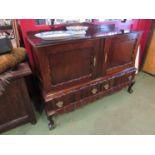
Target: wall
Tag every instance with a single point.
(145, 26)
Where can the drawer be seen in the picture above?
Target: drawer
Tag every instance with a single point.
(91, 90)
(88, 91)
(128, 77)
(107, 84)
(62, 101)
(115, 81)
(72, 97)
(122, 78)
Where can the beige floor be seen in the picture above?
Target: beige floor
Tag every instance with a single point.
(120, 113)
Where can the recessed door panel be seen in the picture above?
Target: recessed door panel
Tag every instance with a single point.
(120, 51)
(72, 63)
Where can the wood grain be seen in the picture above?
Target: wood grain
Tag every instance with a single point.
(15, 104)
(74, 72)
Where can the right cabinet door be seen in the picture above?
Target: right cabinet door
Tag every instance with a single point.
(120, 51)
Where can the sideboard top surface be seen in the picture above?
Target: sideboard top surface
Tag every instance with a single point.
(38, 42)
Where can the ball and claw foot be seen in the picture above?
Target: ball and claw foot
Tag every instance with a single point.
(51, 124)
(130, 90)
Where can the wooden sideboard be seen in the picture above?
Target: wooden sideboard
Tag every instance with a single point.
(77, 71)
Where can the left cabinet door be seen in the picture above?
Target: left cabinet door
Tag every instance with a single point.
(69, 64)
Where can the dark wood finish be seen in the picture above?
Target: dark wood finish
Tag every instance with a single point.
(121, 51)
(15, 104)
(101, 87)
(69, 64)
(130, 90)
(74, 72)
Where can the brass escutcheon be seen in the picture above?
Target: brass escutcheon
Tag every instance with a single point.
(94, 91)
(130, 77)
(106, 86)
(59, 104)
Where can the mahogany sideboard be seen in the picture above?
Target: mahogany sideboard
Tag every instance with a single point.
(15, 104)
(76, 71)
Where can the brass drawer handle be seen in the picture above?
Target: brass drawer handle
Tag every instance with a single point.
(59, 104)
(94, 91)
(106, 86)
(130, 77)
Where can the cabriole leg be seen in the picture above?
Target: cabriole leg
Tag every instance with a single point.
(130, 90)
(51, 124)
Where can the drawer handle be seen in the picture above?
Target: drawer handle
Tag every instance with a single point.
(94, 91)
(59, 104)
(94, 61)
(106, 58)
(130, 77)
(106, 86)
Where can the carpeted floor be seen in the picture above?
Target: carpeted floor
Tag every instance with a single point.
(120, 113)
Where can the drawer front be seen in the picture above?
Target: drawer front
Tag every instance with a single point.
(84, 92)
(122, 78)
(62, 101)
(102, 87)
(128, 77)
(91, 90)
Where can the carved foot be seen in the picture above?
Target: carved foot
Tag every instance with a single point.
(130, 90)
(51, 124)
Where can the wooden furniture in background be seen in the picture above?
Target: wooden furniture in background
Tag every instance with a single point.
(15, 104)
(11, 31)
(76, 71)
(16, 33)
(149, 65)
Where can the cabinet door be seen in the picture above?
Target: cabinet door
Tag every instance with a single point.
(120, 51)
(71, 63)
